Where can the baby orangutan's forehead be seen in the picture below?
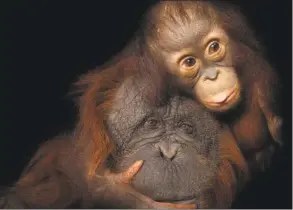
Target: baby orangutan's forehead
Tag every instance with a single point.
(178, 23)
(177, 36)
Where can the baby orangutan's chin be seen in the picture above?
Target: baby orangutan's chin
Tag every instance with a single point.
(223, 101)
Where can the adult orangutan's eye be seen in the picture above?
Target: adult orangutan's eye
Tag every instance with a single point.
(151, 123)
(187, 128)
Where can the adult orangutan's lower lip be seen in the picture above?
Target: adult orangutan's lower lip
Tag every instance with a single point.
(189, 201)
(222, 98)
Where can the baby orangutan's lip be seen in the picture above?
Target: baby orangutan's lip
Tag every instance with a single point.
(223, 97)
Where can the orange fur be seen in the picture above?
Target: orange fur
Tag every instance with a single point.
(233, 171)
(95, 103)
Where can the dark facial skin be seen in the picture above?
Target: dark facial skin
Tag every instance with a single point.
(177, 141)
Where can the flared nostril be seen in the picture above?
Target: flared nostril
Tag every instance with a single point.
(168, 150)
(162, 154)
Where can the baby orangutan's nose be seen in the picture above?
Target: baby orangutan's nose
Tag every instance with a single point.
(168, 150)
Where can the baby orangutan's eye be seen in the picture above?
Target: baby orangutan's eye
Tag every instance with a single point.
(189, 62)
(215, 51)
(188, 66)
(214, 47)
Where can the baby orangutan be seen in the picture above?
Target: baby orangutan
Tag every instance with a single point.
(213, 55)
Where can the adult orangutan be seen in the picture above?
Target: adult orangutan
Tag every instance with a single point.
(164, 153)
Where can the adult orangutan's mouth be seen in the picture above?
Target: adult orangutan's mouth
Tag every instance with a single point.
(185, 201)
(190, 201)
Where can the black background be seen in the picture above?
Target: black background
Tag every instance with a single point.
(48, 44)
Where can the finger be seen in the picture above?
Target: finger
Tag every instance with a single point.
(185, 206)
(175, 206)
(127, 176)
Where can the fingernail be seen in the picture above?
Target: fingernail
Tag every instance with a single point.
(138, 163)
